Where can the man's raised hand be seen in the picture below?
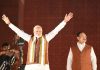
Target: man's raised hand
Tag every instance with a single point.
(68, 17)
(5, 19)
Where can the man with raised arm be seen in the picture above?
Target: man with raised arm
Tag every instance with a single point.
(37, 56)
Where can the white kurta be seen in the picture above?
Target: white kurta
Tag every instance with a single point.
(27, 38)
(37, 67)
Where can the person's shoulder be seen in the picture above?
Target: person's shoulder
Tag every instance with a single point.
(73, 44)
(88, 45)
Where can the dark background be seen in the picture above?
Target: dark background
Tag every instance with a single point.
(49, 13)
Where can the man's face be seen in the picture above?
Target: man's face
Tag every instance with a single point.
(37, 31)
(82, 38)
(6, 47)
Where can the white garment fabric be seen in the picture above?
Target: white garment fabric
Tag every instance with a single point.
(37, 67)
(81, 47)
(27, 38)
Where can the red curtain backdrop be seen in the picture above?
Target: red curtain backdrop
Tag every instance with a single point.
(49, 13)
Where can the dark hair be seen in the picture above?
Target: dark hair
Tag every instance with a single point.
(5, 44)
(78, 33)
